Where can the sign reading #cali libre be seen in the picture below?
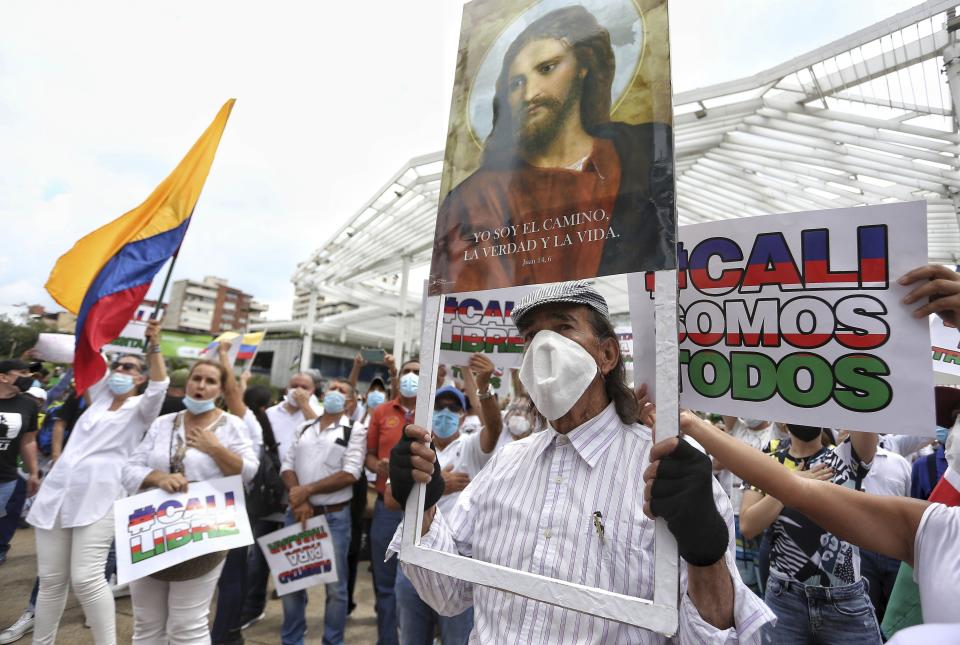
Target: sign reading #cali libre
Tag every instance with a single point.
(155, 530)
(801, 313)
(480, 321)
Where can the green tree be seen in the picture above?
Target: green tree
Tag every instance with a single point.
(16, 337)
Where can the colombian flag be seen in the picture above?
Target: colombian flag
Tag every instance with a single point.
(242, 348)
(106, 274)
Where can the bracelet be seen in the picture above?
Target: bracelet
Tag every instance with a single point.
(483, 396)
(154, 349)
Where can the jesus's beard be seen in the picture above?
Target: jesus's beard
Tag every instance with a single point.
(534, 138)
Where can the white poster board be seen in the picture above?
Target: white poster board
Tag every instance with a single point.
(945, 348)
(130, 340)
(799, 316)
(480, 321)
(300, 558)
(155, 529)
(56, 348)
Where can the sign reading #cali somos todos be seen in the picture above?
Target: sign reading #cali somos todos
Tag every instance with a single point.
(803, 311)
(155, 530)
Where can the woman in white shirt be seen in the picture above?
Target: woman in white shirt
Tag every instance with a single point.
(73, 512)
(200, 443)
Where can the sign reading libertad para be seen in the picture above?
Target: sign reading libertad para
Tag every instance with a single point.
(155, 529)
(801, 313)
(300, 557)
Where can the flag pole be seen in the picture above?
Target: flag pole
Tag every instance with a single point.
(163, 290)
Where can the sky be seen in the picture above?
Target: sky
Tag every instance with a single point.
(100, 100)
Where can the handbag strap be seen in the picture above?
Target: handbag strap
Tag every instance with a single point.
(178, 452)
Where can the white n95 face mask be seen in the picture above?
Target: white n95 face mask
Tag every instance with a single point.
(556, 371)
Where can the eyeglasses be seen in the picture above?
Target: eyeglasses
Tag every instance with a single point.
(453, 407)
(125, 367)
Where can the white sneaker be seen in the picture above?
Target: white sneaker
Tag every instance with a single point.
(17, 630)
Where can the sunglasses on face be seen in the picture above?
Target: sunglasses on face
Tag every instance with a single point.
(125, 367)
(453, 407)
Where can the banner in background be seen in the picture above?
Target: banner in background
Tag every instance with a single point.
(155, 529)
(300, 558)
(945, 343)
(175, 344)
(799, 316)
(130, 340)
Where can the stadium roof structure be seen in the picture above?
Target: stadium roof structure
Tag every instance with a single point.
(866, 119)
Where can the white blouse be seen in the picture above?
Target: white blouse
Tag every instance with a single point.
(154, 452)
(86, 480)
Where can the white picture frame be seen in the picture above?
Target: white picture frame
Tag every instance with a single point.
(659, 614)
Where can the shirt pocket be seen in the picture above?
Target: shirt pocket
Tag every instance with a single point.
(333, 459)
(618, 561)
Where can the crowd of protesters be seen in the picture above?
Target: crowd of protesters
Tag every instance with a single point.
(788, 533)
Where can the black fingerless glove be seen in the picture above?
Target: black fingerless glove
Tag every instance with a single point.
(401, 474)
(682, 494)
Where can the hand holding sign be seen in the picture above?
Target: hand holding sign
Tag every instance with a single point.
(173, 483)
(942, 288)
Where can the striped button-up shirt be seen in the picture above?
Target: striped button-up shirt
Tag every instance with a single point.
(532, 509)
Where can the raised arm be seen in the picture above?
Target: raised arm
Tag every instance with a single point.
(886, 525)
(486, 403)
(232, 393)
(158, 369)
(355, 371)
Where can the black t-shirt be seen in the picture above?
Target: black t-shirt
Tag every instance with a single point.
(172, 404)
(17, 416)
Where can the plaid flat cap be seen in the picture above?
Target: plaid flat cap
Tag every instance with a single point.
(574, 293)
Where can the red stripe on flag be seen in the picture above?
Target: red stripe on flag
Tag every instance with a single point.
(105, 321)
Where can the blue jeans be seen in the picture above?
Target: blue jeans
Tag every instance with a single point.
(418, 620)
(821, 615)
(335, 611)
(10, 522)
(384, 525)
(6, 492)
(881, 572)
(258, 573)
(231, 590)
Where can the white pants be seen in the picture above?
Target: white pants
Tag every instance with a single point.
(77, 554)
(173, 612)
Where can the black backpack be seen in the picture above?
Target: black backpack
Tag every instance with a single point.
(265, 495)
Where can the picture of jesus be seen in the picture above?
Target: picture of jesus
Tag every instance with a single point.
(562, 190)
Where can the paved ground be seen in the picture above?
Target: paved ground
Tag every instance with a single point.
(16, 581)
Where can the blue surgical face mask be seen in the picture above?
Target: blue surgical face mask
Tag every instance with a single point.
(409, 383)
(198, 406)
(942, 434)
(120, 383)
(334, 402)
(445, 423)
(375, 398)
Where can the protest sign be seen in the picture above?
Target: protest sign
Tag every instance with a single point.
(558, 167)
(130, 340)
(945, 343)
(155, 529)
(300, 557)
(480, 321)
(801, 313)
(510, 212)
(56, 348)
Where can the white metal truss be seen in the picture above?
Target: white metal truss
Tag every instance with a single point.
(866, 119)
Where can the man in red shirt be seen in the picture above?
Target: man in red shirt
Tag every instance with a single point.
(386, 426)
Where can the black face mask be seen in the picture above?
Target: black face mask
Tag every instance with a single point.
(804, 433)
(23, 383)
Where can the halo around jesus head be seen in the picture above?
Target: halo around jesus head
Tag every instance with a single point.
(621, 18)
